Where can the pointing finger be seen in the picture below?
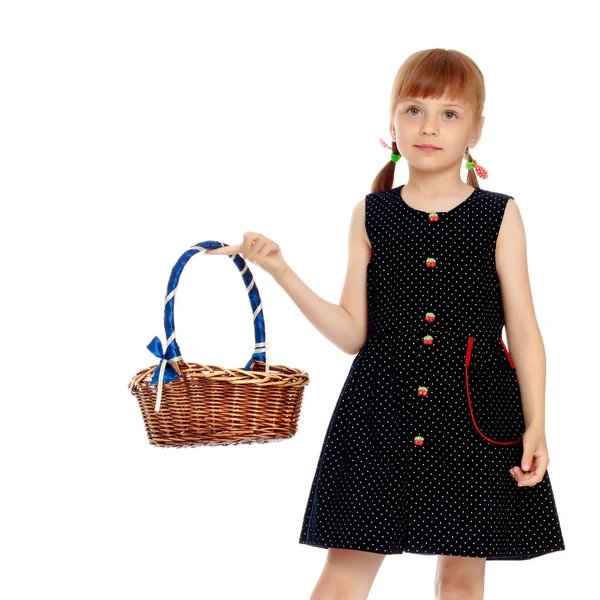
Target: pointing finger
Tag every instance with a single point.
(235, 249)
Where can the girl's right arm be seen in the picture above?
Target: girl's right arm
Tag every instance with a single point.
(344, 324)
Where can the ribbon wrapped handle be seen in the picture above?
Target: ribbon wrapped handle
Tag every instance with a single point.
(165, 371)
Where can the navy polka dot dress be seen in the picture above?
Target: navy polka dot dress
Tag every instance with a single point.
(429, 421)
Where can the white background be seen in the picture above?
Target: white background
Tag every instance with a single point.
(132, 130)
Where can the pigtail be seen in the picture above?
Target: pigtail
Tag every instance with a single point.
(471, 177)
(385, 178)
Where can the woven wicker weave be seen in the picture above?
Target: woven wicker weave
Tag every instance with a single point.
(190, 404)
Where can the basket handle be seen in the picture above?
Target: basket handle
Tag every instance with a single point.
(165, 371)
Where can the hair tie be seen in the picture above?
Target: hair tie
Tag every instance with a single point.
(478, 169)
(395, 157)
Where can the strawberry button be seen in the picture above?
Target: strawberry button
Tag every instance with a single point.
(430, 262)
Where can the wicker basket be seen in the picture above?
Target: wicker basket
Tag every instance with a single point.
(189, 404)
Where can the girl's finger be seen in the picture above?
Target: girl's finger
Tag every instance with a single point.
(235, 249)
(533, 470)
(519, 475)
(530, 481)
(529, 478)
(266, 250)
(516, 474)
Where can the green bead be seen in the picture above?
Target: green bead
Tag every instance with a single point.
(395, 157)
(470, 164)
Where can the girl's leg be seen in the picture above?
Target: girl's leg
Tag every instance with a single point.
(459, 577)
(347, 575)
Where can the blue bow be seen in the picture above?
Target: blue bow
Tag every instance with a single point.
(169, 374)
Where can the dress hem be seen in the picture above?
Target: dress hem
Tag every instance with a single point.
(525, 556)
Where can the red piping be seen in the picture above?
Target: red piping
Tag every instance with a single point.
(467, 362)
(469, 349)
(507, 353)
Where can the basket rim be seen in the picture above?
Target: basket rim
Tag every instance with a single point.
(234, 375)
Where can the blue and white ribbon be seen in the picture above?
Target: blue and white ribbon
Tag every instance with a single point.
(261, 347)
(164, 372)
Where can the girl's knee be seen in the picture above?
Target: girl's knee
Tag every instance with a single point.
(347, 575)
(459, 577)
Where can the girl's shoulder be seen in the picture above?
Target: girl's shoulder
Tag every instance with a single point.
(492, 201)
(494, 196)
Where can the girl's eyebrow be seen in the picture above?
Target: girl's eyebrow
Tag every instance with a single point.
(419, 100)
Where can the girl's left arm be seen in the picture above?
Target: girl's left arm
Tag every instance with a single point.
(522, 332)
(524, 340)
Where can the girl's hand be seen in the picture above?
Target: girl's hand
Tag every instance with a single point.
(535, 458)
(259, 250)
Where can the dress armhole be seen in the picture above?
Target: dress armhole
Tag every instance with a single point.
(368, 219)
(502, 213)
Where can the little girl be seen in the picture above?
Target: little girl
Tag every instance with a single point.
(435, 445)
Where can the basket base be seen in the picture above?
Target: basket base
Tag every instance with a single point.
(193, 439)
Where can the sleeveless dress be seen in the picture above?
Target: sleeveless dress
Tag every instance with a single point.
(429, 421)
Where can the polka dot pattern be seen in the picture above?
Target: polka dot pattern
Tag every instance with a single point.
(429, 421)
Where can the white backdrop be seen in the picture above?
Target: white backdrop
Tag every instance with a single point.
(132, 130)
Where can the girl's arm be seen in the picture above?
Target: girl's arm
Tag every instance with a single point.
(522, 331)
(344, 324)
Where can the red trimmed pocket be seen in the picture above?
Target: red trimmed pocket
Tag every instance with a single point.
(494, 398)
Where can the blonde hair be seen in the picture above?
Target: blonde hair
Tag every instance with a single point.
(434, 73)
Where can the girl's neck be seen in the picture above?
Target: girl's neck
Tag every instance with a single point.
(428, 193)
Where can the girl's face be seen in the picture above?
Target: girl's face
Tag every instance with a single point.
(441, 122)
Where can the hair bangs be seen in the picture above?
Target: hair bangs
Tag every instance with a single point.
(440, 73)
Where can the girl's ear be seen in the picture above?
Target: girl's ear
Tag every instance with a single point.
(478, 130)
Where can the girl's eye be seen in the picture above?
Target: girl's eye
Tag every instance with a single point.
(448, 112)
